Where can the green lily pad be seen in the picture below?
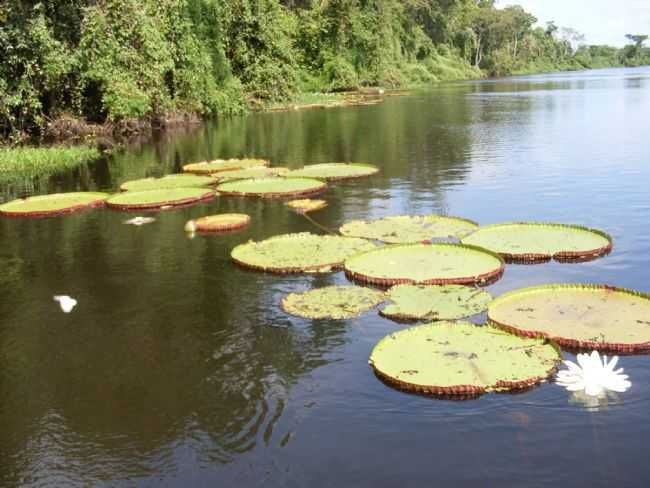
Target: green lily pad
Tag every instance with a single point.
(332, 302)
(218, 223)
(577, 316)
(218, 165)
(272, 187)
(256, 172)
(295, 253)
(539, 241)
(306, 205)
(155, 199)
(427, 264)
(426, 302)
(402, 229)
(334, 171)
(54, 204)
(460, 358)
(167, 182)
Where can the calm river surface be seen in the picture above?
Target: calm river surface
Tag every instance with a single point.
(178, 368)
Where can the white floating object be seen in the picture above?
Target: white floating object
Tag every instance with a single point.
(140, 220)
(190, 227)
(593, 375)
(67, 303)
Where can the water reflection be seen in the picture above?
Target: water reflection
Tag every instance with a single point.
(595, 403)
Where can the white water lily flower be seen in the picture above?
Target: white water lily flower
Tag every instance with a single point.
(593, 375)
(67, 303)
(139, 220)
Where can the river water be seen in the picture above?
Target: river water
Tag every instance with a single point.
(177, 368)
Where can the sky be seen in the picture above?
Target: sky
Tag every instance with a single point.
(601, 21)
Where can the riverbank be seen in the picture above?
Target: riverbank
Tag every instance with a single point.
(77, 142)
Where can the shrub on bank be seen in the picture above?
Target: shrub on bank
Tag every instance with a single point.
(26, 162)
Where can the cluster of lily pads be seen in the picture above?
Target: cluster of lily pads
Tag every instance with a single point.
(199, 182)
(426, 268)
(431, 268)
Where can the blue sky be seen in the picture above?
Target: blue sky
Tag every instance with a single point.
(602, 21)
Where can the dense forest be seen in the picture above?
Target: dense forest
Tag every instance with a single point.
(119, 60)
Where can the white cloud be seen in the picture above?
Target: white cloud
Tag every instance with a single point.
(602, 21)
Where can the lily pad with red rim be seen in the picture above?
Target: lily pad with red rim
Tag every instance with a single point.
(168, 182)
(218, 165)
(248, 173)
(578, 316)
(334, 171)
(53, 204)
(427, 264)
(332, 302)
(272, 187)
(158, 199)
(295, 253)
(435, 302)
(534, 241)
(219, 223)
(462, 359)
(402, 229)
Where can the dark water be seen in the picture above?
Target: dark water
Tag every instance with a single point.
(179, 369)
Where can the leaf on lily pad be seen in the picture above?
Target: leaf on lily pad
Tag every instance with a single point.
(461, 358)
(218, 165)
(428, 264)
(332, 302)
(158, 199)
(335, 171)
(218, 223)
(167, 182)
(402, 229)
(532, 241)
(272, 187)
(53, 204)
(305, 205)
(578, 316)
(295, 253)
(430, 302)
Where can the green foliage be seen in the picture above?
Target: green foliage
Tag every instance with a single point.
(113, 60)
(26, 162)
(116, 60)
(258, 39)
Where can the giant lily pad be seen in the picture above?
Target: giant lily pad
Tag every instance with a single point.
(218, 223)
(306, 205)
(428, 264)
(218, 165)
(332, 302)
(54, 204)
(335, 171)
(272, 187)
(538, 241)
(460, 358)
(167, 182)
(402, 229)
(577, 316)
(427, 302)
(295, 253)
(255, 172)
(155, 199)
